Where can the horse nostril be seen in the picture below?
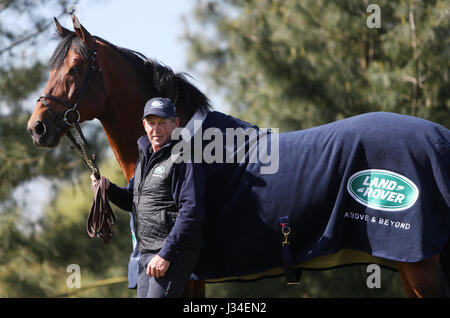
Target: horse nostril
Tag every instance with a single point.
(39, 128)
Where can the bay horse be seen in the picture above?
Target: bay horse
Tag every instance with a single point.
(124, 80)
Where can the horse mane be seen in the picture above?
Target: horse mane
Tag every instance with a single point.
(160, 79)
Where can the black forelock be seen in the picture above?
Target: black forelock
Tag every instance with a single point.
(69, 41)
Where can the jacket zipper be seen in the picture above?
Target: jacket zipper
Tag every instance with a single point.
(144, 175)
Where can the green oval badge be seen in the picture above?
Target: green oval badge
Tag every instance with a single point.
(159, 170)
(382, 190)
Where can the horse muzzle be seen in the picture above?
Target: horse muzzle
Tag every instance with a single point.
(44, 134)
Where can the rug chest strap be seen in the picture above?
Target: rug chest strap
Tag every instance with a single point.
(292, 276)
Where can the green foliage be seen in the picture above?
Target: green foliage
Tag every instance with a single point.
(21, 160)
(34, 254)
(296, 64)
(16, 83)
(34, 264)
(22, 73)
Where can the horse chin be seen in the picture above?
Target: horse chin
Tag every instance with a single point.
(47, 141)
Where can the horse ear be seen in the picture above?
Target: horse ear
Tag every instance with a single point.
(81, 32)
(62, 31)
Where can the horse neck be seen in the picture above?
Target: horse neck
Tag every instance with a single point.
(121, 120)
(127, 93)
(122, 133)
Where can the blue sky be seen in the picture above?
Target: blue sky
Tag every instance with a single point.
(151, 27)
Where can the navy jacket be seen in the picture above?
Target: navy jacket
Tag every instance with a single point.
(187, 190)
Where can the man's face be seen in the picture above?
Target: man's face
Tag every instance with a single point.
(159, 130)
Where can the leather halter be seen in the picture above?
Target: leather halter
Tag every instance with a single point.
(72, 116)
(101, 217)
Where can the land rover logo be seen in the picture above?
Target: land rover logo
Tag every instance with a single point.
(159, 170)
(157, 104)
(382, 190)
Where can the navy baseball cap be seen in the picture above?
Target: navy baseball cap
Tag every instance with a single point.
(162, 107)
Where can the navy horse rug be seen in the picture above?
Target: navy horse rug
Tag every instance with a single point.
(376, 184)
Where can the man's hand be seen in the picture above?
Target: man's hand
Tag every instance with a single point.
(157, 267)
(95, 183)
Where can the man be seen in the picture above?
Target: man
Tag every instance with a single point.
(166, 200)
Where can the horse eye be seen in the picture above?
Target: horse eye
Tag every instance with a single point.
(74, 70)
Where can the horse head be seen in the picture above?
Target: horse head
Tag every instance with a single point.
(75, 90)
(93, 78)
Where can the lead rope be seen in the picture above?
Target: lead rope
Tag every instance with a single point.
(101, 217)
(80, 149)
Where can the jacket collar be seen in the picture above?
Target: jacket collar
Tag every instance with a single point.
(143, 143)
(198, 117)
